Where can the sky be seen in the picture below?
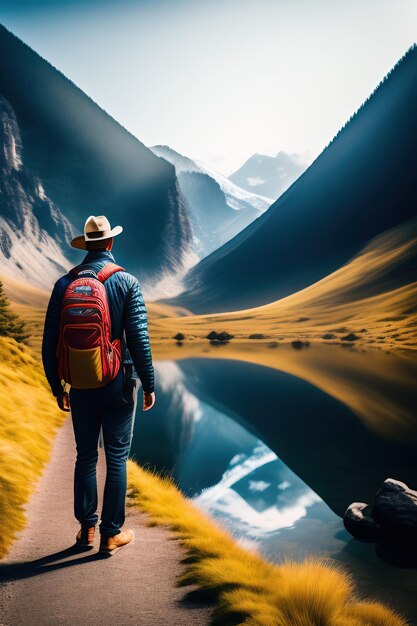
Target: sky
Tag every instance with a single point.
(220, 80)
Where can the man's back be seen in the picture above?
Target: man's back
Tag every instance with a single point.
(127, 313)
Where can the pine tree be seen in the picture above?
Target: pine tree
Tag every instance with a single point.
(10, 324)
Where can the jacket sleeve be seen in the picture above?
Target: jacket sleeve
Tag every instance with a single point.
(137, 336)
(50, 340)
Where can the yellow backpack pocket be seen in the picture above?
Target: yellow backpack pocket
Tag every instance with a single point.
(85, 368)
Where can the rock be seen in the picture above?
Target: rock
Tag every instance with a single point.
(299, 345)
(395, 507)
(391, 522)
(359, 523)
(350, 337)
(222, 337)
(179, 337)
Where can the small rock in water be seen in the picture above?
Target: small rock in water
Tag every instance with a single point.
(359, 523)
(299, 345)
(391, 522)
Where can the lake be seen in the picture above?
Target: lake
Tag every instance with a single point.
(276, 442)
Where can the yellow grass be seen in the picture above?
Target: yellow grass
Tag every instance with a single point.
(29, 418)
(357, 298)
(250, 590)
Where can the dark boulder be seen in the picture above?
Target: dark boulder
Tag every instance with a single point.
(395, 507)
(391, 522)
(359, 523)
(222, 337)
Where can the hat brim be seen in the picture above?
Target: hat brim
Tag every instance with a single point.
(80, 242)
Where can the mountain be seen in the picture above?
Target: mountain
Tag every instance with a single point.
(267, 175)
(361, 185)
(369, 300)
(87, 163)
(219, 209)
(33, 230)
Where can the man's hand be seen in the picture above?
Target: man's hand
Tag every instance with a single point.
(63, 401)
(148, 400)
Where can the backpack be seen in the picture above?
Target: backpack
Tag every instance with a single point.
(87, 358)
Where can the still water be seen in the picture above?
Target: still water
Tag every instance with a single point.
(277, 442)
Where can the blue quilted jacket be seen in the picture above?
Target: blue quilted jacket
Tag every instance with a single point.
(127, 312)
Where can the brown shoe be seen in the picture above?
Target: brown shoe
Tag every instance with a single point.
(85, 536)
(110, 545)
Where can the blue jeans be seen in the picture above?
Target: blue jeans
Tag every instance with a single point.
(113, 410)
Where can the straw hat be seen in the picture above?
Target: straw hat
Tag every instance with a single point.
(96, 227)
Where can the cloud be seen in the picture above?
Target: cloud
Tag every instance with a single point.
(255, 181)
(284, 485)
(258, 485)
(171, 380)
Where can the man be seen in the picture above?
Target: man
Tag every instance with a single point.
(109, 407)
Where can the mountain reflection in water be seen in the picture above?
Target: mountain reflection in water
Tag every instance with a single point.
(277, 443)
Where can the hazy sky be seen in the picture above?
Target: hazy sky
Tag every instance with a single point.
(221, 79)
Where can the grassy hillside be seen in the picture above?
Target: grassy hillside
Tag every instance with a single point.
(30, 304)
(29, 418)
(373, 298)
(248, 589)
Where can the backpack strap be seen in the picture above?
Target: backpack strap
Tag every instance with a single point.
(108, 270)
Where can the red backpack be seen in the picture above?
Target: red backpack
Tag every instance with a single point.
(87, 358)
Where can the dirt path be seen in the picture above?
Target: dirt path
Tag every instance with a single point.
(44, 583)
